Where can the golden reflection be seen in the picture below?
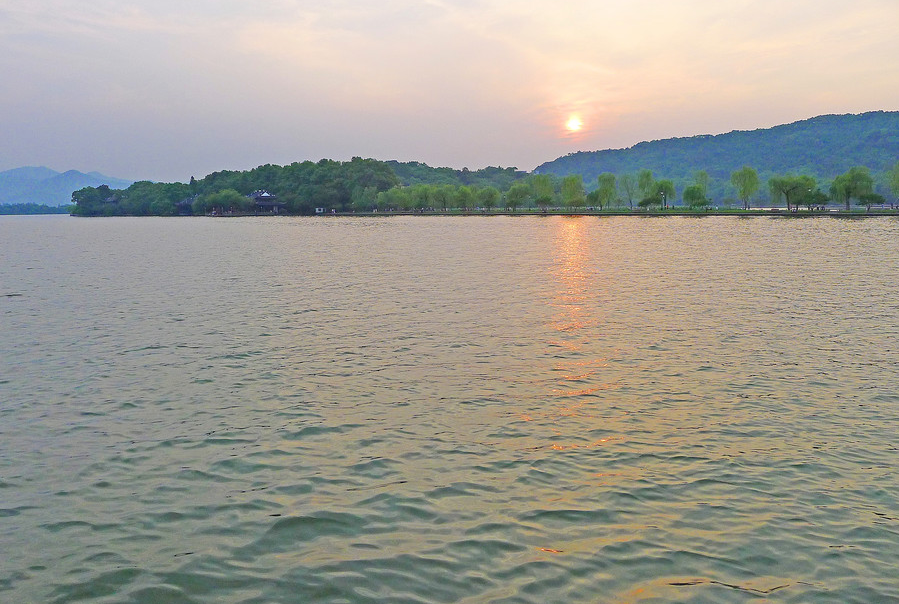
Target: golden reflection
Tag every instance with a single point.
(575, 325)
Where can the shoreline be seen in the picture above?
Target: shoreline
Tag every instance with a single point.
(764, 212)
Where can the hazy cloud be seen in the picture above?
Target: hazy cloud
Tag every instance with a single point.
(168, 89)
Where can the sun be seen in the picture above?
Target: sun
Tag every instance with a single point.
(574, 123)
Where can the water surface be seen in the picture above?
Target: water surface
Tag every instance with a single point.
(418, 409)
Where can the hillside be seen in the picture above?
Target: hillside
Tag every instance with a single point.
(43, 186)
(414, 173)
(823, 147)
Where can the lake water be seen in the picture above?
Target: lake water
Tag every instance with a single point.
(417, 409)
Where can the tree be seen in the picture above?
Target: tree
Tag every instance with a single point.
(488, 197)
(664, 190)
(441, 196)
(746, 181)
(812, 199)
(701, 179)
(573, 190)
(464, 197)
(606, 192)
(648, 202)
(694, 197)
(364, 198)
(420, 195)
(228, 200)
(645, 182)
(396, 198)
(893, 176)
(791, 188)
(852, 185)
(543, 189)
(628, 184)
(516, 195)
(870, 199)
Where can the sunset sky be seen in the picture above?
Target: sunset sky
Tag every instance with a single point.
(166, 89)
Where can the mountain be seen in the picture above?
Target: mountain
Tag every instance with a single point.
(40, 185)
(823, 146)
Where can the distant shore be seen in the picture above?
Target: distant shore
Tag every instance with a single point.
(764, 212)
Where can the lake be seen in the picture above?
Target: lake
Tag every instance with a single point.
(449, 409)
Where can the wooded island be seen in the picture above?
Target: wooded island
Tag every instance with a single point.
(845, 163)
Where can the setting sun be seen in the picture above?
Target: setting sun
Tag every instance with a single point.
(574, 123)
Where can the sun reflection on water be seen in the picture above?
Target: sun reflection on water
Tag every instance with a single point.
(576, 390)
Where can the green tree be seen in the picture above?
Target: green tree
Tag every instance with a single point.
(606, 192)
(871, 199)
(665, 191)
(893, 177)
(542, 189)
(364, 198)
(628, 184)
(694, 197)
(421, 195)
(442, 196)
(517, 195)
(746, 181)
(852, 185)
(645, 183)
(227, 201)
(812, 198)
(573, 190)
(93, 201)
(649, 202)
(701, 179)
(791, 188)
(488, 197)
(396, 198)
(464, 197)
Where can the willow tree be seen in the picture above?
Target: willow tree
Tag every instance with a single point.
(543, 189)
(629, 187)
(464, 197)
(573, 190)
(695, 198)
(893, 176)
(746, 181)
(645, 182)
(605, 193)
(852, 185)
(701, 179)
(791, 188)
(488, 197)
(517, 195)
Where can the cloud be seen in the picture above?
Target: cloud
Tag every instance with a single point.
(184, 86)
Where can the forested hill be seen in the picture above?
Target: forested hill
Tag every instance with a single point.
(823, 147)
(415, 173)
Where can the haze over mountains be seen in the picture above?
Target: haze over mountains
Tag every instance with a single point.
(43, 186)
(823, 146)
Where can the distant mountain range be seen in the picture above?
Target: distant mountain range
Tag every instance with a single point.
(48, 187)
(823, 146)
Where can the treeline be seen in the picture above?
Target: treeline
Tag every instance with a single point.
(416, 173)
(301, 187)
(33, 208)
(639, 190)
(366, 185)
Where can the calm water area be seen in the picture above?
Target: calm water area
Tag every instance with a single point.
(449, 409)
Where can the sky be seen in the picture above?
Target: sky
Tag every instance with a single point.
(169, 89)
